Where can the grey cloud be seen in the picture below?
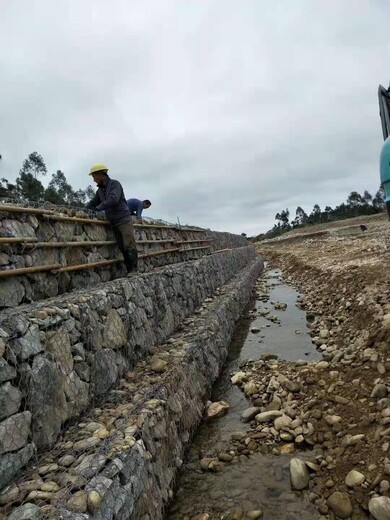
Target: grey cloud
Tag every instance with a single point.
(222, 113)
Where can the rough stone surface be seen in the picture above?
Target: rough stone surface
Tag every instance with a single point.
(340, 504)
(27, 512)
(10, 399)
(380, 508)
(11, 463)
(14, 432)
(104, 372)
(299, 474)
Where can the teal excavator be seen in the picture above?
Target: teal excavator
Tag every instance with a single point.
(384, 111)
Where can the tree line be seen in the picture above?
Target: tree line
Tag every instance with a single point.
(28, 188)
(355, 205)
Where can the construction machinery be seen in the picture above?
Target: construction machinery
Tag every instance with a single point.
(384, 111)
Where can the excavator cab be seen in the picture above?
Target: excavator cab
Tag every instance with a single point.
(384, 111)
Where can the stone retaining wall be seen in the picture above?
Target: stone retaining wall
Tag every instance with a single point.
(47, 228)
(120, 462)
(59, 356)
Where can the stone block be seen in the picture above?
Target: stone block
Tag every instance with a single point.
(14, 432)
(10, 399)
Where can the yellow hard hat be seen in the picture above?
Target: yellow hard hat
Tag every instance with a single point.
(98, 167)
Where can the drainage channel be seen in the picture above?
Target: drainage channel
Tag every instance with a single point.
(257, 486)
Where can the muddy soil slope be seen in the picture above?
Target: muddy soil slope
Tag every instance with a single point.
(340, 405)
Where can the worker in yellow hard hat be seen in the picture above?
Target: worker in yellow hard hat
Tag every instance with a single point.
(111, 199)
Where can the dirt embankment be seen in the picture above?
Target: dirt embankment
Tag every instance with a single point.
(339, 407)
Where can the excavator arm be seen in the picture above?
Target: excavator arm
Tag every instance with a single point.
(384, 112)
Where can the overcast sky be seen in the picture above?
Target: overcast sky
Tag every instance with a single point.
(222, 112)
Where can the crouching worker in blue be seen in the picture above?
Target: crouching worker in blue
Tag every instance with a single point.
(111, 199)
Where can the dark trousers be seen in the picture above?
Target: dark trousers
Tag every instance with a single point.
(124, 236)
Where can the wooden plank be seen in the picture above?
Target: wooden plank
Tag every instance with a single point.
(28, 270)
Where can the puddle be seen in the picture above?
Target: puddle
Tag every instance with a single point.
(260, 482)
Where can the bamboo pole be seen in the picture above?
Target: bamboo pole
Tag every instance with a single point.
(69, 244)
(194, 241)
(104, 263)
(156, 241)
(194, 249)
(50, 214)
(17, 240)
(157, 253)
(79, 267)
(20, 209)
(28, 270)
(81, 220)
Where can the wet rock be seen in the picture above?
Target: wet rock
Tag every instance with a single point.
(27, 512)
(340, 504)
(249, 414)
(14, 432)
(354, 478)
(225, 457)
(206, 461)
(379, 507)
(217, 409)
(299, 474)
(10, 399)
(266, 356)
(271, 415)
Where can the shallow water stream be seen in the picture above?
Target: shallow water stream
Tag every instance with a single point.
(260, 482)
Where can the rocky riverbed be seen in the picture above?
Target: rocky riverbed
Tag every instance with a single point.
(324, 423)
(337, 408)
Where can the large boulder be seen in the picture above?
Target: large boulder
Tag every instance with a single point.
(14, 432)
(104, 371)
(10, 399)
(46, 400)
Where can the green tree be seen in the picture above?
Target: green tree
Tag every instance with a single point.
(34, 165)
(379, 200)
